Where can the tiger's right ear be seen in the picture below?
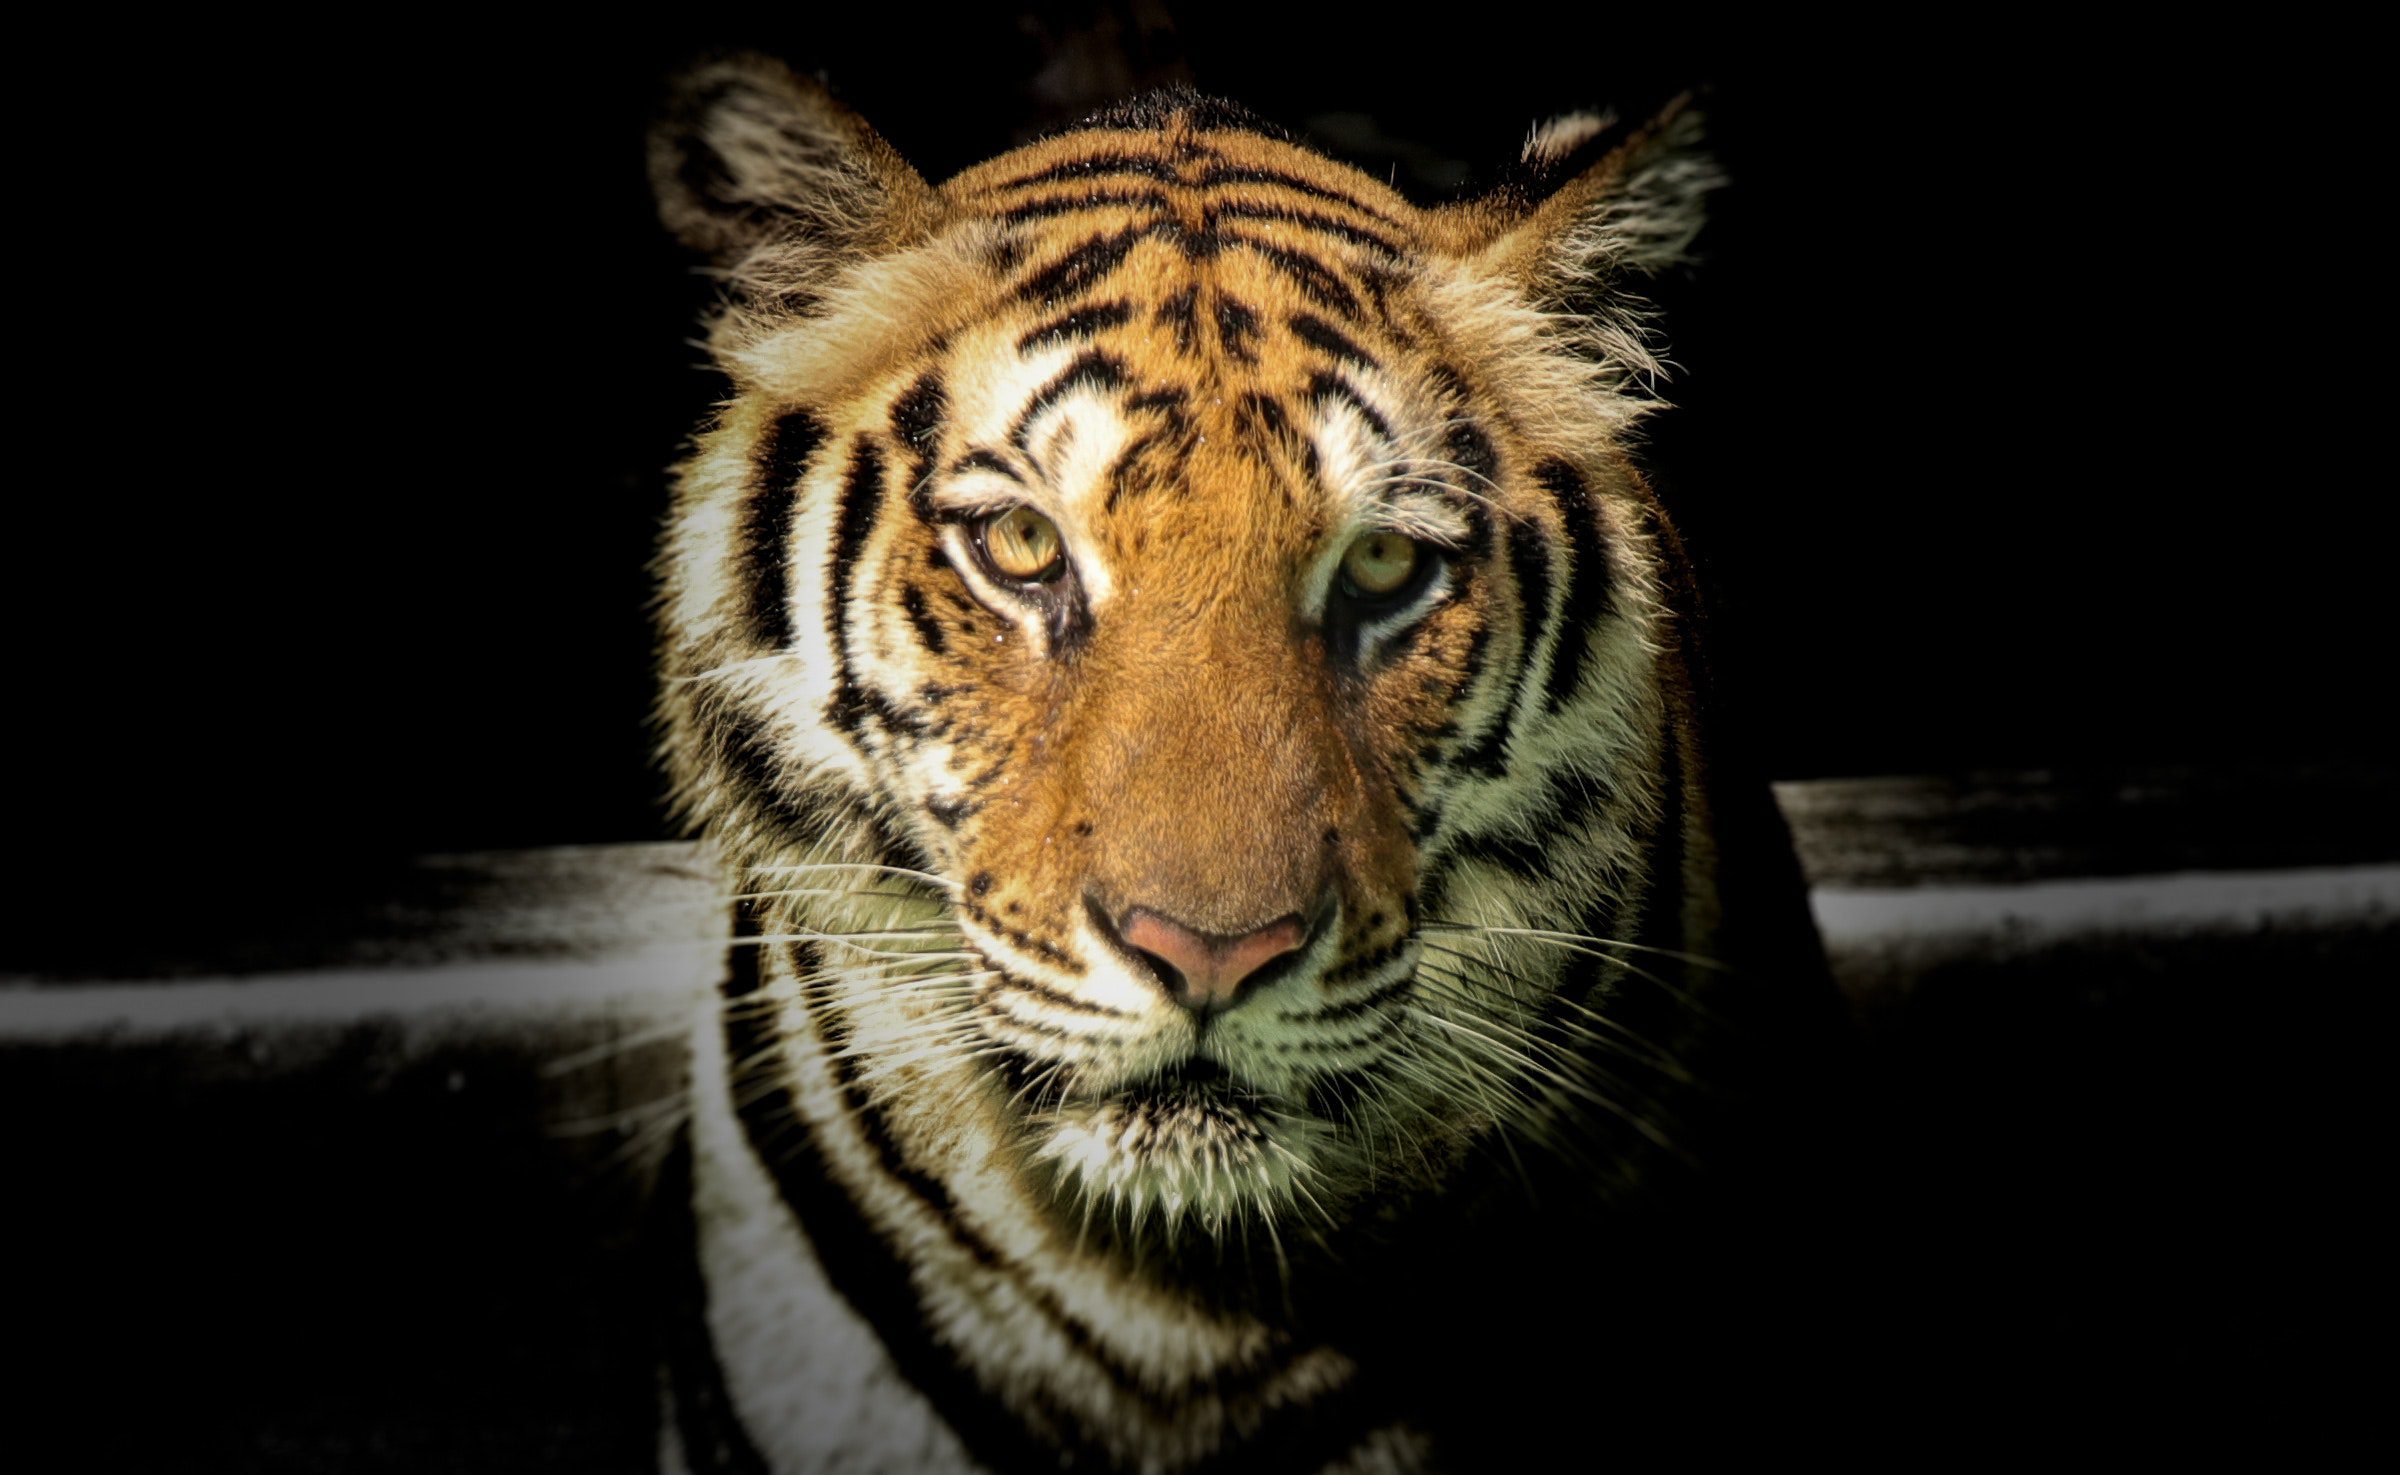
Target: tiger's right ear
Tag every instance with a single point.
(764, 173)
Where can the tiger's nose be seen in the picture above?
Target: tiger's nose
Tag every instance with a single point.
(1204, 971)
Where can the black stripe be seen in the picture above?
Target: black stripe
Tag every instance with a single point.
(929, 630)
(861, 1264)
(1529, 560)
(1200, 244)
(1091, 166)
(1528, 857)
(1237, 326)
(1318, 333)
(1120, 472)
(1423, 819)
(1474, 548)
(781, 461)
(1092, 369)
(765, 1119)
(1365, 963)
(1084, 266)
(1471, 450)
(713, 1440)
(950, 813)
(1258, 415)
(1224, 174)
(1098, 199)
(862, 495)
(917, 424)
(1312, 276)
(1024, 941)
(1325, 386)
(1587, 577)
(1006, 252)
(985, 461)
(1048, 995)
(1309, 220)
(1181, 312)
(1379, 282)
(1083, 322)
(1168, 400)
(1373, 998)
(1570, 800)
(744, 755)
(887, 710)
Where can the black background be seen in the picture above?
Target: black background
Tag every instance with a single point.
(2017, 426)
(2008, 410)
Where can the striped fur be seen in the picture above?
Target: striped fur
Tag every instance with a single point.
(971, 1186)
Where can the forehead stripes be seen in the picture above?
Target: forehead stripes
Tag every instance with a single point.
(1204, 207)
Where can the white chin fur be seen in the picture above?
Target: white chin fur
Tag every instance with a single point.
(1210, 1164)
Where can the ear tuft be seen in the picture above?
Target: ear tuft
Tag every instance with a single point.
(1552, 145)
(749, 161)
(1631, 208)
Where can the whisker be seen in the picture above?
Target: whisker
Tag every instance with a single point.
(1540, 934)
(610, 1049)
(918, 897)
(1616, 1026)
(794, 867)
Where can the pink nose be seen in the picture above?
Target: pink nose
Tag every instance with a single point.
(1203, 971)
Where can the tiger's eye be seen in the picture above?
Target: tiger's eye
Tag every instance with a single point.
(1022, 544)
(1379, 563)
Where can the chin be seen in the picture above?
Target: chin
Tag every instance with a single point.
(1186, 1155)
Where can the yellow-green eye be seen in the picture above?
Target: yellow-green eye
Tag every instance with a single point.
(1380, 563)
(1022, 544)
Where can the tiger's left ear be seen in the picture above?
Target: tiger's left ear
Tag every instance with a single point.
(1591, 208)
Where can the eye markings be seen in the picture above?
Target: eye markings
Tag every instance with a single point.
(985, 461)
(1092, 369)
(1323, 387)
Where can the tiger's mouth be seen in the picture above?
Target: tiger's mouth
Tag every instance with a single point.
(1186, 1145)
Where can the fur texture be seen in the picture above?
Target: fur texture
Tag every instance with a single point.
(1080, 1212)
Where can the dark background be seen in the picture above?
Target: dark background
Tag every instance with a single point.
(2014, 427)
(2006, 425)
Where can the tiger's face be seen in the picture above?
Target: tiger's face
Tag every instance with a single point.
(1169, 566)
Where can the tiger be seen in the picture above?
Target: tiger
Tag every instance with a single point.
(1200, 719)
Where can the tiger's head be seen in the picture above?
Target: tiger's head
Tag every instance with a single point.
(1162, 626)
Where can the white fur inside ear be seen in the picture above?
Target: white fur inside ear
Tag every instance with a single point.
(1647, 222)
(1563, 135)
